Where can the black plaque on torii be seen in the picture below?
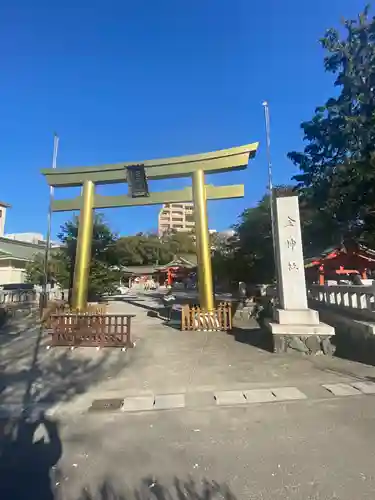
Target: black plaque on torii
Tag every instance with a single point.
(137, 181)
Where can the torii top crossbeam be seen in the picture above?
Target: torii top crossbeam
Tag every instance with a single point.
(179, 166)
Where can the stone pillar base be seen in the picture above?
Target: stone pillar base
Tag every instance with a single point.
(296, 317)
(307, 339)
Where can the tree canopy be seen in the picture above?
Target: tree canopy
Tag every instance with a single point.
(249, 255)
(147, 249)
(108, 254)
(104, 276)
(337, 164)
(55, 270)
(336, 183)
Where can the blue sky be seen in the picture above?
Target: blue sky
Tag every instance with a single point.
(133, 80)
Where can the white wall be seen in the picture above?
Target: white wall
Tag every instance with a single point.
(10, 274)
(3, 213)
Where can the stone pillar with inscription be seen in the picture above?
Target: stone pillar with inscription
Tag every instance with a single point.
(294, 326)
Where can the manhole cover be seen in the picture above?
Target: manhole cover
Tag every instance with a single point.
(106, 404)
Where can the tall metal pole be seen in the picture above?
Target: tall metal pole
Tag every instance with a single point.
(270, 184)
(206, 293)
(49, 222)
(83, 252)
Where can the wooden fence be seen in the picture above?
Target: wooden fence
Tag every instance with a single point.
(90, 330)
(63, 307)
(194, 318)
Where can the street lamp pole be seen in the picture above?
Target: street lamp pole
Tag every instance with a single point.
(43, 301)
(270, 184)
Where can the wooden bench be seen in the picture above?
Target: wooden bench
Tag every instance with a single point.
(90, 330)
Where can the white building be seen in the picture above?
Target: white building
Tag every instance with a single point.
(3, 213)
(16, 250)
(176, 217)
(14, 256)
(227, 233)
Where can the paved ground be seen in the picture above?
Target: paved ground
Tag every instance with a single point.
(297, 450)
(164, 361)
(304, 428)
(300, 450)
(189, 295)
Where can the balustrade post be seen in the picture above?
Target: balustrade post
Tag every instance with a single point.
(362, 301)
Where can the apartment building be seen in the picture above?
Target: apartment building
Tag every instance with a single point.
(176, 217)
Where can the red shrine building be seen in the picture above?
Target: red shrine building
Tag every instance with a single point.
(343, 262)
(180, 269)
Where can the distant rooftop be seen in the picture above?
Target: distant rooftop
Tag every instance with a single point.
(19, 249)
(34, 238)
(5, 205)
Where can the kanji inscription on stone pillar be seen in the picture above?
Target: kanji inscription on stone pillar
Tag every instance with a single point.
(291, 273)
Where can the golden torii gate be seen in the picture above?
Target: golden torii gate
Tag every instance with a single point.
(194, 166)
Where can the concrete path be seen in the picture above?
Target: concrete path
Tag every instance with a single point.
(295, 451)
(299, 450)
(165, 361)
(304, 428)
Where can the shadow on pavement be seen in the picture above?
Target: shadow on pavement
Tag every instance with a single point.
(26, 460)
(361, 350)
(11, 328)
(154, 308)
(256, 337)
(29, 456)
(32, 375)
(160, 312)
(151, 489)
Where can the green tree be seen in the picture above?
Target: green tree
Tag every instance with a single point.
(338, 163)
(56, 271)
(249, 255)
(226, 263)
(128, 251)
(179, 242)
(252, 246)
(149, 249)
(104, 273)
(103, 240)
(140, 250)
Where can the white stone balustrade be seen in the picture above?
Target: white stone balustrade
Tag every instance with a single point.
(8, 297)
(359, 299)
(17, 297)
